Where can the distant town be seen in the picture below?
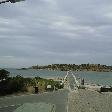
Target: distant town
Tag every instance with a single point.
(74, 67)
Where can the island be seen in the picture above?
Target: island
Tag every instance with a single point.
(74, 67)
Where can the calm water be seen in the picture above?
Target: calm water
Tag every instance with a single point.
(104, 78)
(34, 73)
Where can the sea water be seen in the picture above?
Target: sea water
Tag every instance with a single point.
(104, 78)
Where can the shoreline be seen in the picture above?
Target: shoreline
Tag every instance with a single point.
(67, 70)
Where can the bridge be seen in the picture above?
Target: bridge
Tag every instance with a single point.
(70, 81)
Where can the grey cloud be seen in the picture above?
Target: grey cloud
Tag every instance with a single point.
(54, 31)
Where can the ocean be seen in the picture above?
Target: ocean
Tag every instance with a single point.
(104, 78)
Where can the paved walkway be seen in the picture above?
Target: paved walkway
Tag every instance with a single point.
(90, 101)
(59, 98)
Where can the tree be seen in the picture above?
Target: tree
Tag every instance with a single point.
(4, 74)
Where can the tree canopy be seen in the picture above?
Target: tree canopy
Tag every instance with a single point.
(4, 74)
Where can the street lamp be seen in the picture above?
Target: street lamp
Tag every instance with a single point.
(12, 1)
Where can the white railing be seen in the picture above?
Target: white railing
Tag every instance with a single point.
(76, 81)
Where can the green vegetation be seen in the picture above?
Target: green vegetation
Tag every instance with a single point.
(10, 85)
(3, 74)
(74, 67)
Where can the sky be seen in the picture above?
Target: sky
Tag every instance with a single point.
(55, 31)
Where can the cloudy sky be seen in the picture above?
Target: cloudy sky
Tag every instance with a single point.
(55, 31)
